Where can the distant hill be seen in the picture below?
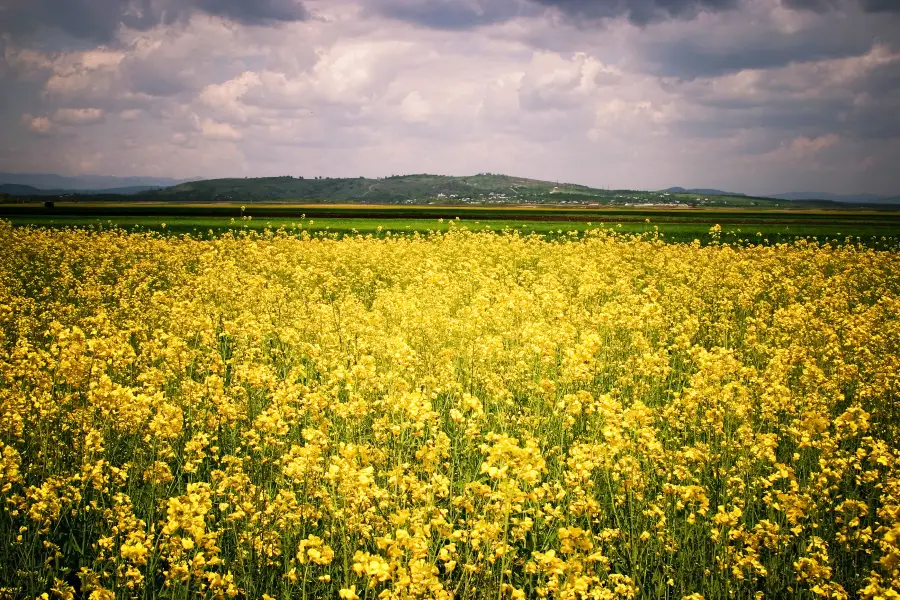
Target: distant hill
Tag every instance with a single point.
(703, 191)
(134, 189)
(865, 198)
(85, 183)
(14, 189)
(480, 189)
(484, 188)
(402, 189)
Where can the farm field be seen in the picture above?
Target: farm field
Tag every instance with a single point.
(676, 225)
(375, 211)
(876, 236)
(465, 414)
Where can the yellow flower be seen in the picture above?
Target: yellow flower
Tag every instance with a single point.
(348, 593)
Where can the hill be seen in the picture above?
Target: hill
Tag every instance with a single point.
(864, 198)
(14, 189)
(396, 189)
(703, 191)
(86, 183)
(479, 190)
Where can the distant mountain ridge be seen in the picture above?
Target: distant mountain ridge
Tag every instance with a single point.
(15, 189)
(867, 198)
(705, 191)
(86, 183)
(796, 196)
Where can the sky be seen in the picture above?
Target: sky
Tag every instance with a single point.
(753, 96)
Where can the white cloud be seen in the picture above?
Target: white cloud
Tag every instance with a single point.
(78, 116)
(214, 130)
(553, 82)
(225, 99)
(39, 125)
(414, 108)
(803, 147)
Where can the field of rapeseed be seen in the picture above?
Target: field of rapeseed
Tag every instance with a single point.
(463, 415)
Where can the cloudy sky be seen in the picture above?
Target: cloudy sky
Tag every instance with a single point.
(759, 96)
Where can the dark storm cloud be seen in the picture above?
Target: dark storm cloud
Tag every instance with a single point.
(819, 6)
(98, 20)
(876, 113)
(865, 108)
(639, 12)
(881, 5)
(451, 14)
(822, 6)
(466, 14)
(884, 81)
(691, 50)
(691, 57)
(643, 12)
(255, 12)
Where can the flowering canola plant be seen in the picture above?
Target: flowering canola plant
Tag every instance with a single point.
(460, 415)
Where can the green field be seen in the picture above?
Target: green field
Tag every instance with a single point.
(876, 229)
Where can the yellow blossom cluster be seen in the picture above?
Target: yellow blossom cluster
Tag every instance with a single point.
(454, 416)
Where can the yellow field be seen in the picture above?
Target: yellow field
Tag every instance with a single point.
(467, 415)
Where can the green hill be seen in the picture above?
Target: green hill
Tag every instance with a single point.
(484, 189)
(481, 189)
(412, 189)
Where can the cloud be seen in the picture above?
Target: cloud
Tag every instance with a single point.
(751, 95)
(819, 6)
(822, 6)
(350, 75)
(415, 108)
(690, 57)
(880, 5)
(856, 97)
(214, 130)
(465, 14)
(763, 35)
(639, 12)
(452, 14)
(554, 83)
(63, 121)
(804, 146)
(257, 12)
(38, 125)
(148, 71)
(77, 116)
(100, 20)
(226, 99)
